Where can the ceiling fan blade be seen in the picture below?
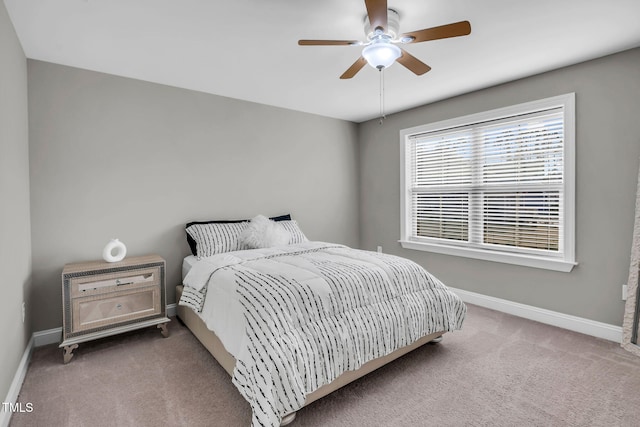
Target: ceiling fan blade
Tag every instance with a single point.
(456, 29)
(328, 42)
(357, 66)
(377, 12)
(412, 63)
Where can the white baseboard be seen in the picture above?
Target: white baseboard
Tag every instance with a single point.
(565, 321)
(50, 336)
(171, 309)
(16, 384)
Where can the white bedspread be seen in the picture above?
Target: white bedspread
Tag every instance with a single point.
(311, 312)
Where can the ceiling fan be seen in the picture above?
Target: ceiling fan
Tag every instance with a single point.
(380, 50)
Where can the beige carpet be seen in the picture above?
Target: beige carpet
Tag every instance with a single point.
(499, 371)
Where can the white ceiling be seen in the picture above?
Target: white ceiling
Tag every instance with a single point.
(247, 49)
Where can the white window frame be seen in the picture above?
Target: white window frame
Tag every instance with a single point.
(565, 261)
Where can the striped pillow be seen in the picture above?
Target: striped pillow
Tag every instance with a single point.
(297, 236)
(216, 238)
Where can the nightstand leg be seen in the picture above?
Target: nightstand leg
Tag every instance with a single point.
(68, 352)
(165, 330)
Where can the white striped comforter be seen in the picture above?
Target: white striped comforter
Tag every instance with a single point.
(316, 310)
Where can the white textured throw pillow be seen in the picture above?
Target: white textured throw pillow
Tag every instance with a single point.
(264, 233)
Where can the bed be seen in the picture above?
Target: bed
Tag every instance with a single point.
(292, 320)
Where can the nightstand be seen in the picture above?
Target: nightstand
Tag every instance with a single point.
(101, 299)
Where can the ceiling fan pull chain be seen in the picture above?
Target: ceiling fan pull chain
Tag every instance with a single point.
(382, 116)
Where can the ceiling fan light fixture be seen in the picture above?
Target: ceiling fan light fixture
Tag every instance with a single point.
(381, 54)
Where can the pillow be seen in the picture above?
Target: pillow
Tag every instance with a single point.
(262, 232)
(193, 243)
(216, 238)
(296, 235)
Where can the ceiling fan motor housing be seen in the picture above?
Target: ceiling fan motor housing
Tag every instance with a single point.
(393, 24)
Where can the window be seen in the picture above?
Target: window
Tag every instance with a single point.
(497, 185)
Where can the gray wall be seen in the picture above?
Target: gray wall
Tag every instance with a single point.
(607, 151)
(15, 235)
(119, 158)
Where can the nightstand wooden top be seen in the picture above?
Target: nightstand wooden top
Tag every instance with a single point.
(102, 265)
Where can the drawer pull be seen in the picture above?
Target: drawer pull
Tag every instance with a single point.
(141, 278)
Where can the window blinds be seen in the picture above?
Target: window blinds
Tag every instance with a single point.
(494, 184)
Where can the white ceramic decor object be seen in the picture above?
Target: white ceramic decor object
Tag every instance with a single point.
(114, 251)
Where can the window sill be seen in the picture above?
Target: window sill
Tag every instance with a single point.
(506, 258)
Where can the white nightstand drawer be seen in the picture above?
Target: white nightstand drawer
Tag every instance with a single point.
(128, 280)
(100, 310)
(113, 282)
